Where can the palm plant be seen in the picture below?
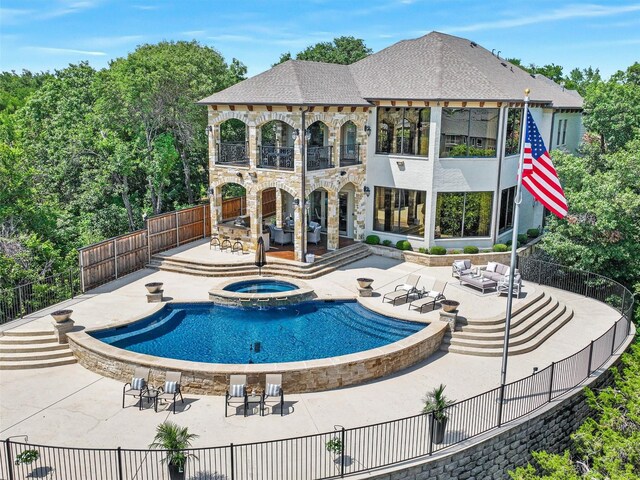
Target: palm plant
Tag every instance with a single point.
(436, 402)
(174, 440)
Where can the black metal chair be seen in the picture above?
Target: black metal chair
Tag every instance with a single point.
(226, 242)
(236, 393)
(273, 389)
(237, 245)
(171, 388)
(140, 373)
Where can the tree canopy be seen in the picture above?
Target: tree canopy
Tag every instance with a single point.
(343, 50)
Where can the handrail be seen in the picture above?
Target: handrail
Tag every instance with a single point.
(309, 453)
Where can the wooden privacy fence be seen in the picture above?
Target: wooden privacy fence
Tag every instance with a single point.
(237, 206)
(111, 259)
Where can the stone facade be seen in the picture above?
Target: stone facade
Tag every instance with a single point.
(298, 377)
(255, 180)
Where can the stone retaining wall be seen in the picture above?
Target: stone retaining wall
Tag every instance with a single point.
(298, 377)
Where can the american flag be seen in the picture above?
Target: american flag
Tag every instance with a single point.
(539, 176)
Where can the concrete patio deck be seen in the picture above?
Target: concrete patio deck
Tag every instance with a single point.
(71, 406)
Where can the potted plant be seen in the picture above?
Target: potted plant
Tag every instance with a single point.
(334, 446)
(61, 315)
(154, 287)
(436, 403)
(174, 440)
(27, 456)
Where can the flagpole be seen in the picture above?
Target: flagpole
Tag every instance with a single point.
(514, 247)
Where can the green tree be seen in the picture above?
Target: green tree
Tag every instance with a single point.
(343, 50)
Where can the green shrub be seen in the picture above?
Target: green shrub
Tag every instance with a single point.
(533, 233)
(372, 240)
(386, 243)
(423, 250)
(438, 250)
(470, 249)
(455, 252)
(500, 247)
(522, 239)
(403, 245)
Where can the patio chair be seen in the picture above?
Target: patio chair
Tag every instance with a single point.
(461, 267)
(403, 290)
(273, 390)
(280, 236)
(314, 236)
(171, 388)
(236, 393)
(503, 284)
(430, 297)
(138, 385)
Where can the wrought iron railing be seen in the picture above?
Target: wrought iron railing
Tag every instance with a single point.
(365, 448)
(233, 154)
(280, 158)
(319, 158)
(29, 297)
(350, 155)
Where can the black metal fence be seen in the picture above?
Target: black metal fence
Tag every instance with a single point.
(364, 448)
(233, 153)
(280, 158)
(16, 302)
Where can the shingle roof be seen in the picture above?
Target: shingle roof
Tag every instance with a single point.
(433, 67)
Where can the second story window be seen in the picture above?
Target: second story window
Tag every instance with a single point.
(403, 131)
(469, 132)
(514, 126)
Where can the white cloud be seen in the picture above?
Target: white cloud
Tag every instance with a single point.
(564, 13)
(109, 42)
(68, 7)
(65, 51)
(193, 33)
(145, 7)
(231, 38)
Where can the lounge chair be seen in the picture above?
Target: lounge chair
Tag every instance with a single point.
(171, 388)
(430, 297)
(461, 267)
(273, 390)
(138, 385)
(314, 236)
(278, 235)
(237, 392)
(403, 290)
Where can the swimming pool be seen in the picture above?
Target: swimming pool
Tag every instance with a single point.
(219, 334)
(260, 286)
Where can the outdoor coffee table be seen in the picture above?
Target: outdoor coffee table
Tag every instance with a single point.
(150, 394)
(255, 399)
(478, 281)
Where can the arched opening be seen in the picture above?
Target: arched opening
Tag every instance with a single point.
(233, 148)
(277, 146)
(234, 204)
(318, 207)
(319, 155)
(346, 210)
(349, 146)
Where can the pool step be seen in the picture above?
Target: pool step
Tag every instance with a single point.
(329, 262)
(531, 325)
(24, 349)
(375, 328)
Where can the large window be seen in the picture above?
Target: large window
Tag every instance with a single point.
(506, 209)
(464, 214)
(469, 132)
(514, 124)
(403, 131)
(399, 211)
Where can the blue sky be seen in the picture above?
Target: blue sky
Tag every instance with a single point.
(50, 34)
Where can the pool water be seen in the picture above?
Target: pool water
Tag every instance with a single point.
(260, 286)
(218, 334)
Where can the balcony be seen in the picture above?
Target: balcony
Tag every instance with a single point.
(350, 155)
(278, 158)
(232, 154)
(319, 158)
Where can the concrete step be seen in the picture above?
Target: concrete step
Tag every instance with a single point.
(28, 339)
(38, 347)
(36, 356)
(26, 333)
(517, 310)
(27, 364)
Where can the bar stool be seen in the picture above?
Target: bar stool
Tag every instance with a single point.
(215, 241)
(226, 242)
(237, 245)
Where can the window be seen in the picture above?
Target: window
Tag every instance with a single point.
(469, 132)
(564, 133)
(561, 136)
(464, 214)
(506, 209)
(514, 124)
(403, 131)
(399, 211)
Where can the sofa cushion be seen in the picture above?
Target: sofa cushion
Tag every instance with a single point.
(491, 266)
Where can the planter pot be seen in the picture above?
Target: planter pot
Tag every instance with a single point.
(175, 473)
(364, 282)
(439, 427)
(61, 315)
(154, 287)
(449, 305)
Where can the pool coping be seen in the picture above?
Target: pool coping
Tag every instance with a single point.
(220, 296)
(298, 377)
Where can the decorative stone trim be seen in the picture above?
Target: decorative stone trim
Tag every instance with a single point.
(220, 296)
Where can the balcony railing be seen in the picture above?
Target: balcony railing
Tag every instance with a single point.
(279, 158)
(350, 155)
(233, 153)
(319, 158)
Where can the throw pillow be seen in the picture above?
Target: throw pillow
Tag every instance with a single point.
(433, 294)
(491, 266)
(236, 390)
(408, 287)
(459, 264)
(273, 390)
(507, 272)
(138, 383)
(170, 387)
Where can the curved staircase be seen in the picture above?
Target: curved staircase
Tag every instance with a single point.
(325, 264)
(531, 324)
(25, 349)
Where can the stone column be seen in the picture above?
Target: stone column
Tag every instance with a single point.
(359, 205)
(332, 221)
(252, 150)
(297, 234)
(254, 209)
(278, 208)
(215, 202)
(61, 329)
